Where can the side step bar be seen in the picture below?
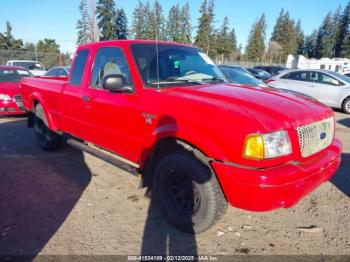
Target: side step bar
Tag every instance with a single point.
(105, 155)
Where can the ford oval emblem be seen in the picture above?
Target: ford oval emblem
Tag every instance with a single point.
(323, 135)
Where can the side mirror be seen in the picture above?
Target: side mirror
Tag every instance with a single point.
(335, 82)
(116, 83)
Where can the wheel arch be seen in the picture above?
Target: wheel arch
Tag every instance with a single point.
(40, 110)
(167, 145)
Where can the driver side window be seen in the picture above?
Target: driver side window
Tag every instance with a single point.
(110, 61)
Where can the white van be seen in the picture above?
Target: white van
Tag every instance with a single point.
(35, 67)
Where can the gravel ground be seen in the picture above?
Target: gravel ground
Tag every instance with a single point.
(68, 202)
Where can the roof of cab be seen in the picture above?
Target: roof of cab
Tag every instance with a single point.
(128, 42)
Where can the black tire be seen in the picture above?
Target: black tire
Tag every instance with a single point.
(188, 193)
(346, 106)
(47, 139)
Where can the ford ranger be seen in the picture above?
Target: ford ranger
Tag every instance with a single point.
(166, 112)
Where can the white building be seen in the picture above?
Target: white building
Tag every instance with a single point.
(341, 65)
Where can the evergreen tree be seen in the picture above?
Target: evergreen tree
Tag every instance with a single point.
(285, 34)
(139, 21)
(121, 25)
(205, 34)
(106, 15)
(343, 31)
(83, 25)
(256, 41)
(156, 22)
(336, 19)
(185, 24)
(310, 44)
(173, 26)
(300, 38)
(324, 41)
(9, 42)
(226, 40)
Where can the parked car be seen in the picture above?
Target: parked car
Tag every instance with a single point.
(35, 67)
(240, 77)
(10, 91)
(328, 87)
(167, 112)
(236, 67)
(260, 74)
(272, 70)
(61, 71)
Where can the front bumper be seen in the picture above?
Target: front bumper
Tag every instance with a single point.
(277, 187)
(12, 107)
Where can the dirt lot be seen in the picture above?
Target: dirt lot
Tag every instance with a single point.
(68, 202)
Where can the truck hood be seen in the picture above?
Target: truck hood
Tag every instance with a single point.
(272, 108)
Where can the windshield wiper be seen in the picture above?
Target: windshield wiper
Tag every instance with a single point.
(175, 81)
(213, 79)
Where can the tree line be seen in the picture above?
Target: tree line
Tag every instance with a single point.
(103, 20)
(149, 21)
(331, 39)
(47, 50)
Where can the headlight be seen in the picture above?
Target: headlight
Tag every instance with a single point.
(5, 97)
(265, 146)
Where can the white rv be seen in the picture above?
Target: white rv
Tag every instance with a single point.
(341, 65)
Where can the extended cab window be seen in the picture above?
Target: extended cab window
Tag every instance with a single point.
(110, 61)
(78, 68)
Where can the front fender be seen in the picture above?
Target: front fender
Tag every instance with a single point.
(186, 134)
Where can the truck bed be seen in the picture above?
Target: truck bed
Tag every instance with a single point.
(47, 90)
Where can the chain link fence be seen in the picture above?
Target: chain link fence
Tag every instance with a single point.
(49, 60)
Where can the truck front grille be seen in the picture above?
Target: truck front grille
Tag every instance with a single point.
(316, 136)
(18, 100)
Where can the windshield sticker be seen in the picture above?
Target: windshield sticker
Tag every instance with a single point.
(177, 64)
(206, 58)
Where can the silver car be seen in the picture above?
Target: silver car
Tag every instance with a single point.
(328, 87)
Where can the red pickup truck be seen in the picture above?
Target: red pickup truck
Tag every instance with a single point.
(165, 111)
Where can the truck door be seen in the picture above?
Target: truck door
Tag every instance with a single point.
(73, 99)
(113, 120)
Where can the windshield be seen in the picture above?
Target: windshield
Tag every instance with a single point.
(239, 77)
(29, 65)
(174, 65)
(9, 75)
(344, 78)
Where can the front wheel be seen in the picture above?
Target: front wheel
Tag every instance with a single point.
(346, 106)
(188, 193)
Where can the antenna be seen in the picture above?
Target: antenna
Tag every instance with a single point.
(157, 50)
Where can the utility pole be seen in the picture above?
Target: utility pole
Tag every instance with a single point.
(36, 53)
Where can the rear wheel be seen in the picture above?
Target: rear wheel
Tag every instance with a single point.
(346, 105)
(188, 193)
(47, 139)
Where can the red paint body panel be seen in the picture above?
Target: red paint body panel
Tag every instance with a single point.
(11, 89)
(214, 118)
(280, 186)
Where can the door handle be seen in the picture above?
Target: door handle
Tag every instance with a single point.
(86, 98)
